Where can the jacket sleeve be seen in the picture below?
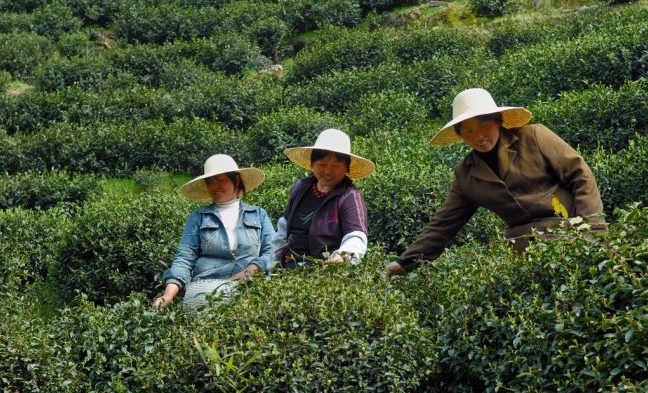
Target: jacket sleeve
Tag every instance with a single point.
(573, 173)
(188, 253)
(267, 236)
(443, 227)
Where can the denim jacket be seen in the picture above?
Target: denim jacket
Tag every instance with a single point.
(204, 249)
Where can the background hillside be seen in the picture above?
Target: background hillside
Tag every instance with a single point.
(107, 106)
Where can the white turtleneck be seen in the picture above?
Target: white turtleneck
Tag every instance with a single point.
(229, 213)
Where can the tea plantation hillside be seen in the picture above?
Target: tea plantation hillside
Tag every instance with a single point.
(107, 106)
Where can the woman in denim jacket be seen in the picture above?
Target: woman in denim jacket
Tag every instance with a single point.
(326, 217)
(224, 241)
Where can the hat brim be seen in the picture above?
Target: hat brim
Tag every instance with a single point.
(196, 189)
(360, 167)
(512, 117)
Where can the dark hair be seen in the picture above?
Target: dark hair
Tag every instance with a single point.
(319, 154)
(237, 180)
(497, 116)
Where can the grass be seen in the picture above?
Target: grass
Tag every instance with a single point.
(145, 181)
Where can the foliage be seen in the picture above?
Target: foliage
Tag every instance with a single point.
(568, 315)
(122, 149)
(599, 116)
(44, 189)
(493, 8)
(30, 242)
(21, 52)
(120, 245)
(294, 127)
(54, 20)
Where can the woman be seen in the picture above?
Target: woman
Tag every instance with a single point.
(224, 241)
(524, 173)
(326, 217)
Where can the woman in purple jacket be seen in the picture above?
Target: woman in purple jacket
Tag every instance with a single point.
(326, 217)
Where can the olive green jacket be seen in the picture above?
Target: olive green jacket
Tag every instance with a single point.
(537, 170)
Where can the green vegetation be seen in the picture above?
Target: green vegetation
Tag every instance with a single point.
(108, 106)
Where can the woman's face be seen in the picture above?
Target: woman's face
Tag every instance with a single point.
(221, 188)
(481, 135)
(329, 171)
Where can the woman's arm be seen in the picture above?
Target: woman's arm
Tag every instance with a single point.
(188, 253)
(267, 236)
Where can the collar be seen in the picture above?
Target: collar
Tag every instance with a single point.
(506, 151)
(213, 208)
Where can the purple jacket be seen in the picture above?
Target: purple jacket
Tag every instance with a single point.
(342, 212)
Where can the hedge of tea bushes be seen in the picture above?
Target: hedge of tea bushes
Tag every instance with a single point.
(21, 52)
(543, 71)
(119, 150)
(622, 176)
(31, 240)
(45, 189)
(599, 116)
(569, 315)
(121, 245)
(339, 329)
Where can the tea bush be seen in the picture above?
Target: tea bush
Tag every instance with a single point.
(336, 12)
(622, 176)
(45, 190)
(76, 44)
(357, 48)
(121, 245)
(230, 53)
(389, 110)
(493, 8)
(30, 242)
(420, 43)
(16, 23)
(54, 20)
(543, 71)
(20, 53)
(142, 23)
(599, 116)
(5, 79)
(99, 12)
(20, 5)
(87, 72)
(122, 149)
(568, 315)
(289, 128)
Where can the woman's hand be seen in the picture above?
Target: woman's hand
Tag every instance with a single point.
(393, 269)
(335, 259)
(162, 302)
(247, 272)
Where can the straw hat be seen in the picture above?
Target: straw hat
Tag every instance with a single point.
(335, 141)
(215, 165)
(475, 102)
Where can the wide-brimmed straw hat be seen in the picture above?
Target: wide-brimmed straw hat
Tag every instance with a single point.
(196, 189)
(475, 102)
(335, 141)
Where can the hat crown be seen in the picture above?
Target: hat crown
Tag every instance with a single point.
(475, 100)
(334, 140)
(220, 163)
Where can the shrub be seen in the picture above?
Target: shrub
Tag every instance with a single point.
(142, 23)
(336, 12)
(22, 6)
(542, 71)
(100, 12)
(54, 20)
(268, 33)
(567, 315)
(5, 79)
(289, 128)
(121, 245)
(122, 149)
(357, 48)
(422, 43)
(87, 72)
(31, 240)
(493, 8)
(16, 23)
(44, 190)
(20, 53)
(146, 62)
(622, 175)
(389, 110)
(231, 53)
(599, 116)
(75, 44)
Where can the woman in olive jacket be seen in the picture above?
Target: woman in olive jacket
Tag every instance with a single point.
(524, 173)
